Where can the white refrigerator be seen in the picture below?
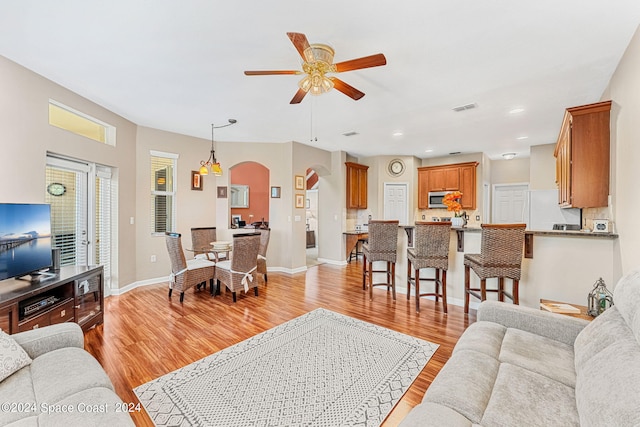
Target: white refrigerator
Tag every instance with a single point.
(543, 211)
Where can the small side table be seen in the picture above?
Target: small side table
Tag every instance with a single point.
(583, 310)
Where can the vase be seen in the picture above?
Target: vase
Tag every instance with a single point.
(457, 222)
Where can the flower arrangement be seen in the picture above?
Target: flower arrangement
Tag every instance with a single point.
(452, 202)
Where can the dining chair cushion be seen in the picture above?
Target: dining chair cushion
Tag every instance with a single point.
(211, 256)
(196, 263)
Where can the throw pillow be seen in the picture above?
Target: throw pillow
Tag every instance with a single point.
(12, 356)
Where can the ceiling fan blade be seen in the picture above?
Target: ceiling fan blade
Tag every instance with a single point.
(364, 62)
(348, 90)
(267, 73)
(297, 98)
(301, 43)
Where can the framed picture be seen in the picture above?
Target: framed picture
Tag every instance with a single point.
(299, 182)
(235, 219)
(300, 201)
(222, 192)
(196, 181)
(275, 192)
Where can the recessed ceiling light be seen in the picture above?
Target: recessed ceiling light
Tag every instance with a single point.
(398, 133)
(522, 137)
(516, 111)
(428, 151)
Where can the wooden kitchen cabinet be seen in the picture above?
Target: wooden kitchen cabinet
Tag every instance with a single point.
(356, 185)
(454, 177)
(582, 157)
(444, 179)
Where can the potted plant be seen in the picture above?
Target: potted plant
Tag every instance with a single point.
(452, 202)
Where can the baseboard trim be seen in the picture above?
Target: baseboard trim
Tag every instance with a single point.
(139, 284)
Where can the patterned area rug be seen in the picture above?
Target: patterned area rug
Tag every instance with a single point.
(320, 369)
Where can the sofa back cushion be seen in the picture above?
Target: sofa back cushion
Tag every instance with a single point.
(607, 361)
(626, 297)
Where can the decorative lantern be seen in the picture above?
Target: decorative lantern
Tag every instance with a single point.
(599, 298)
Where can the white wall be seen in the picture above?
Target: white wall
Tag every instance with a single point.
(26, 137)
(624, 90)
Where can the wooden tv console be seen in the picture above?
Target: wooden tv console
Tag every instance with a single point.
(75, 294)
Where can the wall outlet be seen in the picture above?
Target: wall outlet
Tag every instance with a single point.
(153, 258)
(297, 218)
(477, 217)
(132, 220)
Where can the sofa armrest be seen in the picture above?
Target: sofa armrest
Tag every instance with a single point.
(551, 325)
(42, 340)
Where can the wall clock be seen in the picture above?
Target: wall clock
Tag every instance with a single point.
(396, 167)
(56, 189)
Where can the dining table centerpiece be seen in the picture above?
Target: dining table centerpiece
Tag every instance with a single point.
(452, 202)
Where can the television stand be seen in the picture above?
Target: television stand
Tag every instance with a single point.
(37, 277)
(74, 294)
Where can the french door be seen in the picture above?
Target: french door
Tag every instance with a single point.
(80, 212)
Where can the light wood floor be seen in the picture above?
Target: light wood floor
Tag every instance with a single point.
(145, 335)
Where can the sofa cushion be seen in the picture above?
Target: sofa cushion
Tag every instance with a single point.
(12, 356)
(522, 397)
(539, 354)
(608, 373)
(14, 390)
(93, 407)
(66, 371)
(429, 414)
(464, 383)
(484, 337)
(626, 297)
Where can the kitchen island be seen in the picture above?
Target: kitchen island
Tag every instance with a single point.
(564, 265)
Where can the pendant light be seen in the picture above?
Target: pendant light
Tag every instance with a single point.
(211, 163)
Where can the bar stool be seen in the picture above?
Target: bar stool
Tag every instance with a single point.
(382, 246)
(355, 253)
(431, 250)
(501, 249)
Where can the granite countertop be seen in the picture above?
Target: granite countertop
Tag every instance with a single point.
(556, 233)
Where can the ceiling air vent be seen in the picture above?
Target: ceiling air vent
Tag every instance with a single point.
(465, 107)
(455, 153)
(352, 133)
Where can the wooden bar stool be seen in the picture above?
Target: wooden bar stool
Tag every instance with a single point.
(431, 250)
(382, 246)
(500, 256)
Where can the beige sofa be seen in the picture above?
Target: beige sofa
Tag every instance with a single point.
(519, 366)
(60, 384)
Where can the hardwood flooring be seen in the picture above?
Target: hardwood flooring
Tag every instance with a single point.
(145, 335)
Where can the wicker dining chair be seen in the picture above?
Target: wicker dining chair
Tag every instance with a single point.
(186, 274)
(265, 234)
(500, 256)
(382, 246)
(431, 250)
(240, 272)
(201, 238)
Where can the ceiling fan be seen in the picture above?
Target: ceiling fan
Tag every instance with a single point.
(317, 63)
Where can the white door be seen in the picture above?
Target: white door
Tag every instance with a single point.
(395, 202)
(509, 203)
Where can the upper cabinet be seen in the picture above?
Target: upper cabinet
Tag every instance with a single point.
(356, 185)
(459, 176)
(582, 157)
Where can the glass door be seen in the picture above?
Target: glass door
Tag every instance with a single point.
(80, 195)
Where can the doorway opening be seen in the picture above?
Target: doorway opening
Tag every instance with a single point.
(311, 213)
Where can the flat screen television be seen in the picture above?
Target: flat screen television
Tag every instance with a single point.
(25, 239)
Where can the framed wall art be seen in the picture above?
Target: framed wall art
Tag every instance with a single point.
(299, 182)
(275, 192)
(222, 192)
(300, 201)
(196, 181)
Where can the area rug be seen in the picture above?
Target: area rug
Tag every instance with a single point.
(319, 369)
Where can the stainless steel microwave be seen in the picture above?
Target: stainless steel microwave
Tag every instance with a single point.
(435, 199)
